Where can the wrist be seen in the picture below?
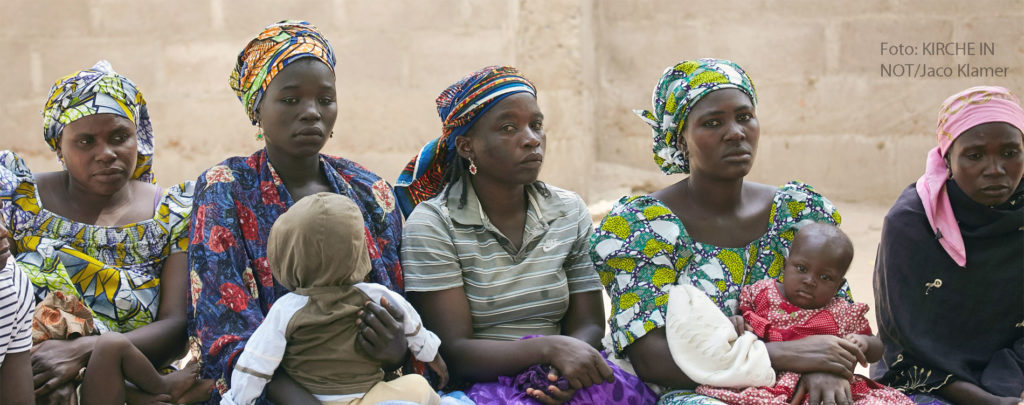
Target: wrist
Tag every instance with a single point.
(83, 346)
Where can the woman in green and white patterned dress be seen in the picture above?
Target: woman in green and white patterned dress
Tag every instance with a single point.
(712, 230)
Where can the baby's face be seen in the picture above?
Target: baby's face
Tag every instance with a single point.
(813, 273)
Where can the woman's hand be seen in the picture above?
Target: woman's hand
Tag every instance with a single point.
(55, 363)
(819, 353)
(581, 365)
(62, 395)
(740, 324)
(823, 388)
(441, 369)
(381, 335)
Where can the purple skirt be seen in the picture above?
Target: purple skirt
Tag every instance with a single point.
(627, 389)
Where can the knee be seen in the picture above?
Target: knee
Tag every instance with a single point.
(111, 342)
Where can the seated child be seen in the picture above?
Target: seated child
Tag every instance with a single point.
(115, 359)
(317, 250)
(16, 303)
(803, 304)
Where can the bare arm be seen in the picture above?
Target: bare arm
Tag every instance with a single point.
(16, 380)
(585, 318)
(963, 393)
(647, 355)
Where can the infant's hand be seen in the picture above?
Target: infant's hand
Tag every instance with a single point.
(441, 369)
(740, 324)
(858, 340)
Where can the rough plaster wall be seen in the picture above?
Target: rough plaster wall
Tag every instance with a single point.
(826, 115)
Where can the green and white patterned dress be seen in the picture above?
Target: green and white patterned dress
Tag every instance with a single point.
(642, 248)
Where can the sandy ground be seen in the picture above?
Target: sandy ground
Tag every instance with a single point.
(861, 221)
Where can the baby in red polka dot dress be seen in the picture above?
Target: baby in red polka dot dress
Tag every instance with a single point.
(805, 303)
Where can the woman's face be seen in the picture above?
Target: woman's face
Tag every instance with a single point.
(99, 152)
(298, 111)
(721, 133)
(987, 162)
(507, 142)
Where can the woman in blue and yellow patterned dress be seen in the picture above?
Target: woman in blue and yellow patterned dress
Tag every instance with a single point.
(712, 230)
(100, 230)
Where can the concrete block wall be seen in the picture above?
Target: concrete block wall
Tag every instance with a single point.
(827, 116)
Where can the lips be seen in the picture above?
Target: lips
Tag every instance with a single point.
(311, 131)
(533, 159)
(738, 153)
(109, 172)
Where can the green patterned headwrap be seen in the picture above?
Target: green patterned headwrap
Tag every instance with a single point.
(678, 90)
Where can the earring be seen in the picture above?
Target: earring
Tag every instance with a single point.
(259, 132)
(472, 167)
(332, 135)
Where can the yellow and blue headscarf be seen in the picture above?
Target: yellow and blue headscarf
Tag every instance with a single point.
(678, 90)
(100, 90)
(459, 107)
(265, 56)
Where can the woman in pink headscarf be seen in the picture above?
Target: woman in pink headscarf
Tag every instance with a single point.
(949, 277)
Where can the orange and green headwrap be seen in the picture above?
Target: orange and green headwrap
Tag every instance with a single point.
(100, 90)
(266, 55)
(678, 90)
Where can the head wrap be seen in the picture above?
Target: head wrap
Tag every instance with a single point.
(678, 90)
(959, 113)
(100, 90)
(266, 55)
(319, 244)
(459, 106)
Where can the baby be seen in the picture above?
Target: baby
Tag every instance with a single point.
(803, 304)
(317, 250)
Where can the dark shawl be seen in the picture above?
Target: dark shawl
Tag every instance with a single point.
(969, 326)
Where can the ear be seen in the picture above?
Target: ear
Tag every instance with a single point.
(464, 146)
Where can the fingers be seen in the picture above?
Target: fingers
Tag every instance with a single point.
(605, 371)
(383, 317)
(798, 396)
(45, 386)
(441, 369)
(814, 395)
(394, 311)
(559, 395)
(853, 349)
(541, 397)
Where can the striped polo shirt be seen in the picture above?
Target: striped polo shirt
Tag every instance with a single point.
(511, 293)
(16, 307)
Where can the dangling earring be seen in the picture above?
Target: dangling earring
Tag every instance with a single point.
(472, 167)
(259, 132)
(332, 135)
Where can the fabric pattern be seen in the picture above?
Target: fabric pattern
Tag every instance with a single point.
(232, 287)
(959, 113)
(775, 319)
(679, 89)
(16, 305)
(641, 249)
(265, 56)
(100, 90)
(627, 389)
(61, 317)
(459, 106)
(113, 270)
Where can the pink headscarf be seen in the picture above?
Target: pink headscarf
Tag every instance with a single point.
(960, 112)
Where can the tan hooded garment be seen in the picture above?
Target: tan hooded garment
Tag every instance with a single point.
(318, 249)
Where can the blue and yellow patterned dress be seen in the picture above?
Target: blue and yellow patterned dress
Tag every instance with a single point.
(114, 270)
(642, 248)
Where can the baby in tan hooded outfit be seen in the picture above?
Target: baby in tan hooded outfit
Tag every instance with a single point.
(317, 250)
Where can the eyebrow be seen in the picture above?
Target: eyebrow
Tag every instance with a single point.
(720, 112)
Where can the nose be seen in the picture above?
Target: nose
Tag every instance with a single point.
(532, 138)
(735, 132)
(106, 153)
(310, 111)
(994, 167)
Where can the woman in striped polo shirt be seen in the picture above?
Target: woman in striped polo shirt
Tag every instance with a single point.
(497, 262)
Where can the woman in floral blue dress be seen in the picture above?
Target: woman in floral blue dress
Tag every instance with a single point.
(285, 80)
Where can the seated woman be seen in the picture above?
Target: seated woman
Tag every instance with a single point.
(285, 81)
(497, 262)
(712, 230)
(100, 230)
(948, 276)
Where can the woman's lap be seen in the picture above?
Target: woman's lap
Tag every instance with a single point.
(926, 399)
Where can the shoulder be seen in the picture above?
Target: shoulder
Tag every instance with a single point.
(354, 172)
(567, 201)
(908, 207)
(797, 201)
(224, 177)
(431, 213)
(630, 211)
(176, 202)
